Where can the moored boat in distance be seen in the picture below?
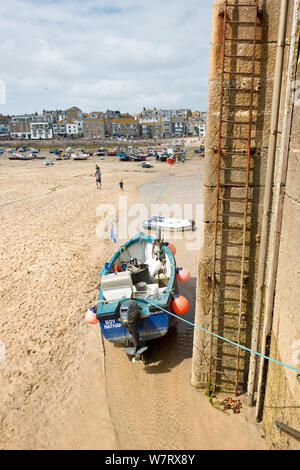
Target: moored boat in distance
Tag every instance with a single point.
(62, 157)
(146, 165)
(25, 156)
(101, 152)
(14, 156)
(112, 153)
(80, 156)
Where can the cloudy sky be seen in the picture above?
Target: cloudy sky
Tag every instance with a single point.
(98, 54)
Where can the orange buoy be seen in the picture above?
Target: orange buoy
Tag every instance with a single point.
(91, 316)
(183, 275)
(171, 161)
(171, 247)
(180, 304)
(117, 268)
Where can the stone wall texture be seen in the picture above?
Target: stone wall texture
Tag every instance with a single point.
(282, 398)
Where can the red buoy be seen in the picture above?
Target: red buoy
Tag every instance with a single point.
(172, 248)
(170, 160)
(180, 304)
(183, 275)
(91, 317)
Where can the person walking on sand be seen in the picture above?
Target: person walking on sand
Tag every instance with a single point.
(97, 175)
(121, 184)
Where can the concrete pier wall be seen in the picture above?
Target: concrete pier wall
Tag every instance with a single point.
(285, 338)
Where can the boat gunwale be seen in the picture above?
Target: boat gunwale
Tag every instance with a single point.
(166, 294)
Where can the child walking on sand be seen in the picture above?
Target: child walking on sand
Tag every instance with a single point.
(97, 175)
(121, 184)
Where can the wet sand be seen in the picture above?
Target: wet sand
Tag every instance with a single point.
(61, 386)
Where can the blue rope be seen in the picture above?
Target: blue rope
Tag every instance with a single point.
(225, 339)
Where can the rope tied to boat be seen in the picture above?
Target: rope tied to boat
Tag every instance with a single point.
(225, 339)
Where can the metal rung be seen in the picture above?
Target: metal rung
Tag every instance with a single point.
(232, 168)
(229, 301)
(232, 214)
(240, 40)
(247, 74)
(243, 23)
(235, 289)
(234, 5)
(232, 185)
(246, 57)
(232, 199)
(243, 106)
(224, 356)
(234, 229)
(229, 244)
(247, 90)
(235, 138)
(231, 258)
(244, 154)
(220, 273)
(227, 315)
(227, 328)
(237, 122)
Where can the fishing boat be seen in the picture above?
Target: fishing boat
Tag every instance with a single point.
(26, 157)
(138, 287)
(33, 150)
(163, 156)
(77, 156)
(62, 157)
(123, 157)
(168, 223)
(14, 156)
(100, 152)
(137, 157)
(146, 165)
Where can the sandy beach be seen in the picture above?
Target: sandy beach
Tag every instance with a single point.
(61, 385)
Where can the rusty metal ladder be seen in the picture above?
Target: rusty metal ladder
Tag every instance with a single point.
(229, 270)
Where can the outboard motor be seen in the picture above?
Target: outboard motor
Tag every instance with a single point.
(130, 314)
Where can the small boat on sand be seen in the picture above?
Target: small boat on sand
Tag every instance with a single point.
(168, 223)
(62, 157)
(100, 152)
(26, 157)
(83, 156)
(137, 285)
(146, 165)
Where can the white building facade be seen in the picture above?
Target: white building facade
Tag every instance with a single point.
(41, 130)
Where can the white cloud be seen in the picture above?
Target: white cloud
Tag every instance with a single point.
(101, 54)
